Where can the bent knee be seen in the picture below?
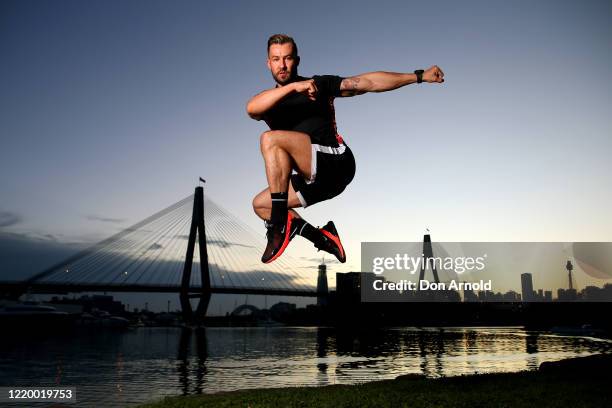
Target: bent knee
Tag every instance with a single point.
(267, 139)
(255, 203)
(259, 203)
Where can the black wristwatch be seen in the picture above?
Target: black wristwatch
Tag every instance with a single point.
(419, 74)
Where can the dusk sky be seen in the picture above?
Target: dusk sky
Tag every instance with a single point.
(110, 110)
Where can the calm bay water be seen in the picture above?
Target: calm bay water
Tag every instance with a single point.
(126, 368)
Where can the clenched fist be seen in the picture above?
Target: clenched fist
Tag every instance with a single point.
(307, 88)
(433, 74)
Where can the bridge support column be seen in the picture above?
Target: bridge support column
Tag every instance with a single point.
(204, 294)
(428, 259)
(322, 289)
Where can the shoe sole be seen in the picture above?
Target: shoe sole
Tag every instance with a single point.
(336, 240)
(285, 241)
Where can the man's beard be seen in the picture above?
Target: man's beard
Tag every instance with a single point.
(289, 77)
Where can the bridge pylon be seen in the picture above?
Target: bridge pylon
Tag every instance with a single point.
(186, 294)
(428, 258)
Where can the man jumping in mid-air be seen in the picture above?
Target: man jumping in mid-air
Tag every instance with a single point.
(303, 138)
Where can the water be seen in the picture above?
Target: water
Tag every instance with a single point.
(126, 368)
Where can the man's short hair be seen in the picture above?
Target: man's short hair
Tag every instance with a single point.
(282, 39)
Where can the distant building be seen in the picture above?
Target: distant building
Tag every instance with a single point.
(567, 295)
(469, 295)
(594, 294)
(560, 294)
(511, 296)
(349, 285)
(89, 303)
(548, 296)
(282, 310)
(607, 292)
(527, 287)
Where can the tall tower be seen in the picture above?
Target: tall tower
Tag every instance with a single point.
(428, 259)
(527, 287)
(569, 268)
(322, 289)
(197, 231)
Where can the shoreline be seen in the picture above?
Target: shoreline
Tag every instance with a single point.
(579, 381)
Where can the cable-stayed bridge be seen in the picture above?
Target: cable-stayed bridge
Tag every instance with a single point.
(193, 247)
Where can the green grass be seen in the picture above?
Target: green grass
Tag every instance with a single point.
(571, 384)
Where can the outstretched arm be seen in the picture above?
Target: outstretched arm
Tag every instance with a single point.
(381, 81)
(264, 101)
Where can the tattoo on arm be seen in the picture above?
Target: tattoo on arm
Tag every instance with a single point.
(350, 86)
(352, 83)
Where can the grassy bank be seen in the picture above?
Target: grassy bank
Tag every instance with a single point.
(579, 382)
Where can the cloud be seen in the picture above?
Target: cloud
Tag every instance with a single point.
(328, 259)
(256, 278)
(226, 244)
(8, 218)
(309, 267)
(217, 242)
(105, 219)
(29, 236)
(24, 254)
(50, 237)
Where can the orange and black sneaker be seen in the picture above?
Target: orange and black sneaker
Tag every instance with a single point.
(332, 243)
(278, 236)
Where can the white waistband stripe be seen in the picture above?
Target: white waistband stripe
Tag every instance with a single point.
(328, 149)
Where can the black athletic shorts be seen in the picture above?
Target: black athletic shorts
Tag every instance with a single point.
(332, 169)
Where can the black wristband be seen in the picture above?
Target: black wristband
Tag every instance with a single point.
(419, 74)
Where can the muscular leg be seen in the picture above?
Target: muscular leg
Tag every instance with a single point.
(284, 150)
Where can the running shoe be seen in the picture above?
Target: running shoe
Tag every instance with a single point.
(278, 236)
(332, 242)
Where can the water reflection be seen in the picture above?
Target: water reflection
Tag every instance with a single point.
(122, 369)
(187, 337)
(323, 339)
(531, 347)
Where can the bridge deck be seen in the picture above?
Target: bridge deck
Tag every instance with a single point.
(48, 288)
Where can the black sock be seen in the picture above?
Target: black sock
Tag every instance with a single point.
(309, 232)
(279, 208)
